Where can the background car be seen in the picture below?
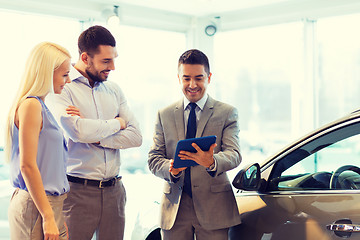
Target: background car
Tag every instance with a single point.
(308, 190)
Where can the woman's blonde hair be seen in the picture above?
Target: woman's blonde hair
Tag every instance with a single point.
(37, 80)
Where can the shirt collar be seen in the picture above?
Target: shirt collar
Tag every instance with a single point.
(200, 103)
(76, 75)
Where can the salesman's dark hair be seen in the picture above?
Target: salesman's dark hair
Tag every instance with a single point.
(90, 39)
(194, 56)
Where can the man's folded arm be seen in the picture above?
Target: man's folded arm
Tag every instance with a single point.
(82, 129)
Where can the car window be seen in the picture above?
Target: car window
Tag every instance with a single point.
(328, 162)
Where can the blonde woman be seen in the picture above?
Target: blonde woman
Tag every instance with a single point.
(36, 148)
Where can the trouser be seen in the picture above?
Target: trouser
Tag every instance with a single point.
(90, 209)
(187, 225)
(25, 220)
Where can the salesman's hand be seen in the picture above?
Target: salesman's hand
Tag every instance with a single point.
(175, 171)
(73, 111)
(203, 158)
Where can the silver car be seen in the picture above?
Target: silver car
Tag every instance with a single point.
(308, 190)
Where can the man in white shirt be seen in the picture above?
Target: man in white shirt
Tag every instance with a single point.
(97, 123)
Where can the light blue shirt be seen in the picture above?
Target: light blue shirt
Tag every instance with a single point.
(51, 156)
(99, 106)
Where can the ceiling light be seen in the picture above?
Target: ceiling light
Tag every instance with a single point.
(111, 16)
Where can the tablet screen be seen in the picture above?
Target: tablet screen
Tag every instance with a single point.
(203, 142)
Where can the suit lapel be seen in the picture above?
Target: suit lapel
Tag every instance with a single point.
(179, 119)
(205, 116)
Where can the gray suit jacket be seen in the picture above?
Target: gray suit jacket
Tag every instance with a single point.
(213, 198)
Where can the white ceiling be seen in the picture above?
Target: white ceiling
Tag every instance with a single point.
(182, 15)
(199, 7)
(186, 7)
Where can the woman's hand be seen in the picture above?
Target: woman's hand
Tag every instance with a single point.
(51, 231)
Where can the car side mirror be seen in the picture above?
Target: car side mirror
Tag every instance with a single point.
(248, 178)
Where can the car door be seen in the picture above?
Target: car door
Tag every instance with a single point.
(309, 191)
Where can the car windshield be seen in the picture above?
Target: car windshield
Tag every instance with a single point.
(330, 161)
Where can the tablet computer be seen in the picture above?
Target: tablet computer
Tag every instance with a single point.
(203, 142)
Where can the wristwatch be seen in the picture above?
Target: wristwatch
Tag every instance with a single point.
(211, 167)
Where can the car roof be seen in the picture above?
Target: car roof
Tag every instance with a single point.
(349, 117)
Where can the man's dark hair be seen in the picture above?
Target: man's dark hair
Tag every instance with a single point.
(91, 38)
(194, 56)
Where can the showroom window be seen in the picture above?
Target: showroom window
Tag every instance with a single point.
(288, 79)
(146, 70)
(254, 71)
(339, 66)
(20, 33)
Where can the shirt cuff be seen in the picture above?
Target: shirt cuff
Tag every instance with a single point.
(176, 178)
(114, 126)
(212, 167)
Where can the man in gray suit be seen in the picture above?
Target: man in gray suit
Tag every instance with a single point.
(197, 200)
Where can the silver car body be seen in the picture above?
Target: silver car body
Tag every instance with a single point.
(308, 190)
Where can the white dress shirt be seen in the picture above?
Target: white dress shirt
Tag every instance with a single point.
(94, 141)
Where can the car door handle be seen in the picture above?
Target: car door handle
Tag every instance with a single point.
(343, 227)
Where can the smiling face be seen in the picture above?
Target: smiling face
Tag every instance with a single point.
(61, 76)
(193, 80)
(101, 63)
